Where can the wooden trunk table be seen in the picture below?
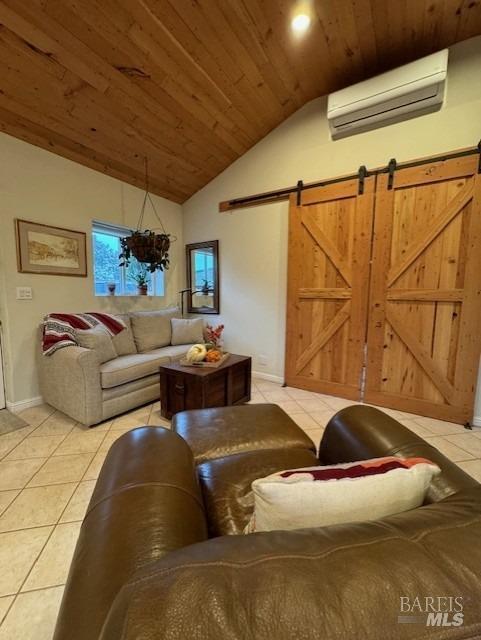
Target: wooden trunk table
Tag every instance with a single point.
(183, 387)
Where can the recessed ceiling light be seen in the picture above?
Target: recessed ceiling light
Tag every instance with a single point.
(301, 22)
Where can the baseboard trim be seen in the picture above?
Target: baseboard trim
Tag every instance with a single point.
(267, 376)
(477, 421)
(21, 405)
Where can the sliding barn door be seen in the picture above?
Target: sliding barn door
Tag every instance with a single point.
(328, 278)
(424, 335)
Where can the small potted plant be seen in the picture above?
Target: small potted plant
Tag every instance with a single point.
(139, 273)
(206, 288)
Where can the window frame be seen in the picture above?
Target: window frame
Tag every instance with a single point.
(157, 281)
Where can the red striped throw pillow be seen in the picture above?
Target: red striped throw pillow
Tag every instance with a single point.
(335, 494)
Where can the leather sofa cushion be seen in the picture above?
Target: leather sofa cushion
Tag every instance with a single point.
(139, 365)
(215, 433)
(226, 484)
(123, 342)
(152, 329)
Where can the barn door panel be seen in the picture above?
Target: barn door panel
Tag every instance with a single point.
(425, 305)
(328, 276)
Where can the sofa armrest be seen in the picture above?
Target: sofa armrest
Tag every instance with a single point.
(70, 381)
(361, 432)
(146, 503)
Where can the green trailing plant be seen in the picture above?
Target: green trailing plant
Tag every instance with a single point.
(147, 247)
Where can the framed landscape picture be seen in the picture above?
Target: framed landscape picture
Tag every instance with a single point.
(50, 250)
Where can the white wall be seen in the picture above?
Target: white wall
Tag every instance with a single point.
(40, 186)
(253, 242)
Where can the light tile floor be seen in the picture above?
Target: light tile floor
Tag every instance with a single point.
(48, 471)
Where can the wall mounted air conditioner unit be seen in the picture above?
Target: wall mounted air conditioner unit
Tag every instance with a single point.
(413, 89)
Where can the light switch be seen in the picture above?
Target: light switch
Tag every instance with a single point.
(24, 293)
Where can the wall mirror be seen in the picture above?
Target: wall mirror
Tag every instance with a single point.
(203, 277)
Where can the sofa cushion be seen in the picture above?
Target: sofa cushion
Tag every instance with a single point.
(152, 329)
(97, 339)
(227, 484)
(123, 342)
(187, 331)
(127, 368)
(175, 353)
(131, 387)
(214, 433)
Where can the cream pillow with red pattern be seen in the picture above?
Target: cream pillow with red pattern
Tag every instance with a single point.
(340, 493)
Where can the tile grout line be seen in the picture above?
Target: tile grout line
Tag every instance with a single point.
(21, 489)
(54, 526)
(27, 435)
(77, 483)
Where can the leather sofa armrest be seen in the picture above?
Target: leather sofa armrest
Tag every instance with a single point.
(146, 503)
(70, 382)
(361, 432)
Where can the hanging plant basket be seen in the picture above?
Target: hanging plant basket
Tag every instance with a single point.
(147, 247)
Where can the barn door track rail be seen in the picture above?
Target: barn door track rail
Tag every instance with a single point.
(362, 173)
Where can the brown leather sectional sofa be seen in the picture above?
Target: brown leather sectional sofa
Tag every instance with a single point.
(156, 558)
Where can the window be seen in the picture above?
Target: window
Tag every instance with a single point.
(106, 250)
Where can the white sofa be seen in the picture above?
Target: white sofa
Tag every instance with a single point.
(74, 381)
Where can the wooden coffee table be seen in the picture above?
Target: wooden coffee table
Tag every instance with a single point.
(183, 388)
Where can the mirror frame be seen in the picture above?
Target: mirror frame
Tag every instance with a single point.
(189, 248)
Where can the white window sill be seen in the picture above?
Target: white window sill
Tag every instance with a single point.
(127, 295)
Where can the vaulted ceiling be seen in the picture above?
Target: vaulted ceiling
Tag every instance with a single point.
(193, 84)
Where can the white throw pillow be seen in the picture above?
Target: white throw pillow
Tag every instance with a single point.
(351, 492)
(187, 331)
(99, 340)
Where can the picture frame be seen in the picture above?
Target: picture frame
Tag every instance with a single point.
(49, 250)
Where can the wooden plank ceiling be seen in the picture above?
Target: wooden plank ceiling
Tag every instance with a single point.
(193, 84)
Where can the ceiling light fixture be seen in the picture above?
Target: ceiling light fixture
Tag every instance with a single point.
(300, 23)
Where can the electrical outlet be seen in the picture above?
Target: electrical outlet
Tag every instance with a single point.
(24, 293)
(262, 360)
